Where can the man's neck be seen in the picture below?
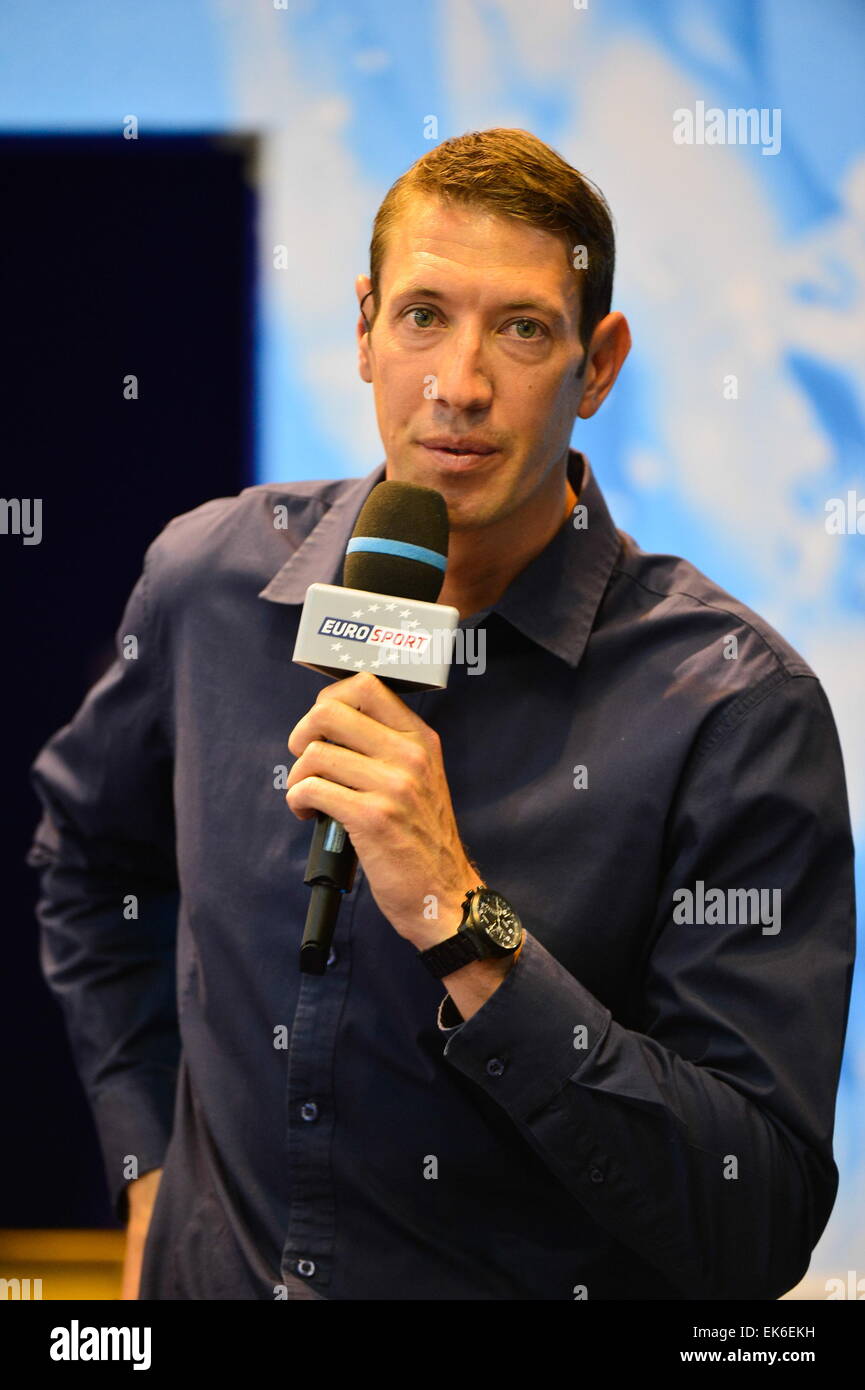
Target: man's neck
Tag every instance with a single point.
(483, 562)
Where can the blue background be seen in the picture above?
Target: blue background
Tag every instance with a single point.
(730, 262)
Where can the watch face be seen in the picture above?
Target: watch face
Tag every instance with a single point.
(499, 921)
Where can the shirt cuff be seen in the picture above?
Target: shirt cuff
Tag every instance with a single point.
(133, 1120)
(538, 1029)
(448, 1016)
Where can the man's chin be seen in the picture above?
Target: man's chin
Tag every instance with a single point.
(471, 513)
(468, 495)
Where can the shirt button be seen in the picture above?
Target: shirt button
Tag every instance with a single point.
(495, 1066)
(596, 1175)
(306, 1268)
(309, 1110)
(331, 960)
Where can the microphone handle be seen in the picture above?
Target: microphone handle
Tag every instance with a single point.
(330, 871)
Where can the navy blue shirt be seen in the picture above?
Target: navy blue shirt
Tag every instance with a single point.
(643, 1108)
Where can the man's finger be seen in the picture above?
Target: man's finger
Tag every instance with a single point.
(348, 769)
(343, 723)
(365, 692)
(317, 794)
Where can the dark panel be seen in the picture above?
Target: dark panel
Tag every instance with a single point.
(118, 257)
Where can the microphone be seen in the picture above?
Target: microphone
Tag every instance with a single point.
(393, 572)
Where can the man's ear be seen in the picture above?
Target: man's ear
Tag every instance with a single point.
(363, 287)
(610, 345)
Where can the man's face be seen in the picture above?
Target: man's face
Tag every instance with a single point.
(476, 343)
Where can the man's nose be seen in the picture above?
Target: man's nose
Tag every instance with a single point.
(462, 379)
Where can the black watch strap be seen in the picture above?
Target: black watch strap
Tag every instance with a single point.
(457, 950)
(450, 955)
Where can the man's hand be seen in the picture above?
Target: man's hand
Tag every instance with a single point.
(141, 1195)
(381, 775)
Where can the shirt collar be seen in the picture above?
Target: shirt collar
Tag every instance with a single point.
(553, 601)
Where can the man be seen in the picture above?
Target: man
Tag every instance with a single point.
(630, 1094)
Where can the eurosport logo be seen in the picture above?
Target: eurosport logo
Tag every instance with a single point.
(374, 635)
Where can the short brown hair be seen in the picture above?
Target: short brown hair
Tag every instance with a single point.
(514, 174)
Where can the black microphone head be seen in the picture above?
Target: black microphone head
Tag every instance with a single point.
(400, 543)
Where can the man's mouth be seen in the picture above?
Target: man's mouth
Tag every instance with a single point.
(458, 452)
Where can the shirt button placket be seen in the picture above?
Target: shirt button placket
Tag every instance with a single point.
(310, 1234)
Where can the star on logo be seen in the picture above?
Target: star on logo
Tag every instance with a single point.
(358, 613)
(358, 663)
(389, 607)
(335, 646)
(406, 613)
(373, 607)
(344, 657)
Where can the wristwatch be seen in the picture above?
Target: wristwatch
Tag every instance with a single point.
(489, 928)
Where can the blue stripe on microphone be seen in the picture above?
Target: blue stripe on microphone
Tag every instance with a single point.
(404, 549)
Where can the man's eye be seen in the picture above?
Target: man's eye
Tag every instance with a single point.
(528, 330)
(536, 330)
(419, 310)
